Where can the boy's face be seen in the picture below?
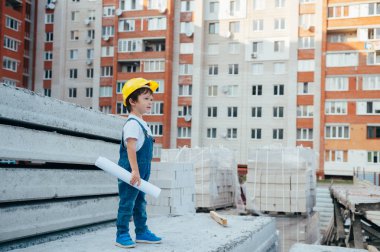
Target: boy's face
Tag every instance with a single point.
(143, 104)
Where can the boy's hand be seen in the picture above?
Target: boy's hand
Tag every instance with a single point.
(135, 178)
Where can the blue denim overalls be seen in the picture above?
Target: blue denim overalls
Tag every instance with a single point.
(132, 201)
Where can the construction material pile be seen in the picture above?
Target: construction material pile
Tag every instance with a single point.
(215, 174)
(281, 180)
(176, 181)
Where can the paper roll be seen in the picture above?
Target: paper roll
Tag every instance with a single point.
(114, 169)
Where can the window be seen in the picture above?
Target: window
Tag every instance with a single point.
(156, 4)
(90, 73)
(214, 7)
(74, 15)
(10, 64)
(233, 69)
(257, 90)
(107, 51)
(279, 46)
(187, 6)
(279, 23)
(337, 84)
(231, 90)
(278, 112)
(371, 82)
(108, 11)
(306, 43)
(10, 82)
(212, 112)
(184, 110)
(258, 25)
(307, 1)
(158, 23)
(185, 90)
(105, 91)
(255, 133)
(74, 35)
(232, 112)
(157, 150)
(338, 11)
(48, 74)
(304, 88)
(11, 44)
(336, 108)
(185, 69)
(184, 132)
(278, 89)
(106, 71)
(126, 25)
(157, 108)
(119, 86)
(373, 58)
(106, 109)
(305, 111)
(257, 68)
(232, 133)
(72, 92)
(341, 59)
(73, 73)
(187, 27)
(48, 55)
(129, 5)
(368, 107)
(337, 132)
(233, 48)
(213, 28)
(373, 132)
(128, 45)
(108, 31)
(73, 54)
(47, 92)
(373, 9)
(49, 18)
(211, 133)
(336, 155)
(161, 86)
(373, 157)
(154, 66)
(89, 92)
(91, 34)
(279, 68)
(279, 3)
(258, 4)
(234, 27)
(213, 70)
(306, 21)
(234, 7)
(186, 48)
(304, 134)
(212, 91)
(337, 38)
(12, 23)
(48, 36)
(257, 112)
(121, 109)
(257, 47)
(213, 49)
(278, 134)
(306, 65)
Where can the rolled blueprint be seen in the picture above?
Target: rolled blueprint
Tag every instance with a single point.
(114, 169)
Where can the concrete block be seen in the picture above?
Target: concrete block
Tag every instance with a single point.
(320, 248)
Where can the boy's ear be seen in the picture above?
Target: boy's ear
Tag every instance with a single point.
(131, 101)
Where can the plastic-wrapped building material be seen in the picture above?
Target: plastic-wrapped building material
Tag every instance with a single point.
(215, 171)
(281, 180)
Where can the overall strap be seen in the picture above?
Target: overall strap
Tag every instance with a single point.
(142, 127)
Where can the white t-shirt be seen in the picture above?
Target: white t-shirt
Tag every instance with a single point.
(132, 129)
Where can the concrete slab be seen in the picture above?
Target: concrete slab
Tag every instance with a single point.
(320, 248)
(192, 232)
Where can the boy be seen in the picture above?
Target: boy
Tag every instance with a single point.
(135, 156)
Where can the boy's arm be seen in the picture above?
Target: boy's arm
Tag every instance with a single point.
(131, 150)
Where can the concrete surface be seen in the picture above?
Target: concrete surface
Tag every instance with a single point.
(192, 232)
(320, 248)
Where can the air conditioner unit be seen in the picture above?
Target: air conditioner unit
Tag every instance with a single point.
(228, 34)
(87, 21)
(106, 38)
(254, 55)
(189, 33)
(89, 61)
(187, 118)
(118, 12)
(88, 40)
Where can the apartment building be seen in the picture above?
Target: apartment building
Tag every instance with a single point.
(17, 29)
(350, 87)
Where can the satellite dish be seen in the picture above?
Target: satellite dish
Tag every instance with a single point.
(189, 33)
(106, 38)
(51, 6)
(87, 21)
(228, 34)
(89, 61)
(119, 12)
(187, 118)
(162, 9)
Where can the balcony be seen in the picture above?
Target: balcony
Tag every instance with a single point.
(129, 66)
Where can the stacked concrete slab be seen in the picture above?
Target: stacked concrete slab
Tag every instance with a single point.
(281, 180)
(215, 174)
(176, 181)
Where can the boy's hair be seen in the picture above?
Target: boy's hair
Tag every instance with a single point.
(135, 96)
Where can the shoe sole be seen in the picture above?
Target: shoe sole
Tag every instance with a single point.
(149, 242)
(124, 246)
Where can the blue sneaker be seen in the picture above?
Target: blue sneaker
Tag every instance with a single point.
(147, 237)
(125, 241)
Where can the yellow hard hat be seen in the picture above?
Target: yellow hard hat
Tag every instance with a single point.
(134, 84)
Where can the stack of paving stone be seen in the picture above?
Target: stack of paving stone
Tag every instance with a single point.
(281, 180)
(215, 174)
(176, 181)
